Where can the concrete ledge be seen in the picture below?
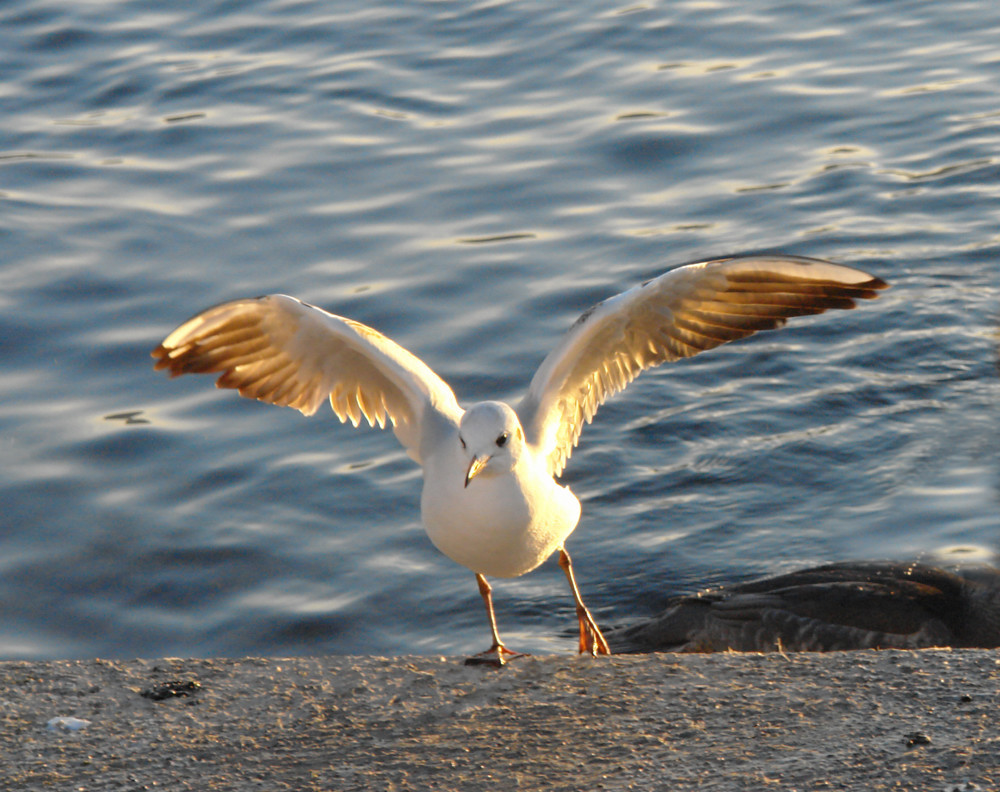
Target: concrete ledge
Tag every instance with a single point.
(853, 720)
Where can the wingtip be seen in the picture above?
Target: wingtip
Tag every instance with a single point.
(166, 362)
(870, 289)
(162, 358)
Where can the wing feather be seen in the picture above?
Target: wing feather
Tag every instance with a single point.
(282, 351)
(676, 315)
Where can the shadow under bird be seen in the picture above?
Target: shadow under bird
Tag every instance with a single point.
(490, 497)
(849, 605)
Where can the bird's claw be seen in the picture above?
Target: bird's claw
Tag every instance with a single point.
(591, 639)
(496, 656)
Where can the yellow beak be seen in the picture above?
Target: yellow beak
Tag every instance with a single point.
(475, 468)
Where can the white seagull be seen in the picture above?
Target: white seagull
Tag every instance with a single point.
(490, 498)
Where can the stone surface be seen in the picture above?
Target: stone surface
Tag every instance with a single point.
(708, 722)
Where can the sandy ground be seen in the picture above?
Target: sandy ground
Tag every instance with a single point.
(924, 720)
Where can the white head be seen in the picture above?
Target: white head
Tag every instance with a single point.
(491, 437)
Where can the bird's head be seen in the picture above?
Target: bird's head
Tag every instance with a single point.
(491, 438)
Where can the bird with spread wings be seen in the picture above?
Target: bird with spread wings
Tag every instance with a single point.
(490, 497)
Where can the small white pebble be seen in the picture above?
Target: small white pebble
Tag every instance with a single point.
(66, 724)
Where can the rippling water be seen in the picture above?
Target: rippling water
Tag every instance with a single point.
(468, 178)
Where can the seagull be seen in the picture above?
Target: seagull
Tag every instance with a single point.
(491, 500)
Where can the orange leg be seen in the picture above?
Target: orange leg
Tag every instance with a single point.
(591, 639)
(496, 655)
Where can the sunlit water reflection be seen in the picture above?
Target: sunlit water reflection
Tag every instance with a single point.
(468, 179)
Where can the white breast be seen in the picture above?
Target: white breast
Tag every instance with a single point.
(500, 525)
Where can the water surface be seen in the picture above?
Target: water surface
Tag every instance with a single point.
(468, 178)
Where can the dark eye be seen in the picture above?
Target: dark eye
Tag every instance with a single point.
(462, 441)
(502, 440)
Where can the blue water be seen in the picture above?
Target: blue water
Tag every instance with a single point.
(467, 178)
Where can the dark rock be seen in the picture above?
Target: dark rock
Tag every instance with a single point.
(172, 689)
(853, 605)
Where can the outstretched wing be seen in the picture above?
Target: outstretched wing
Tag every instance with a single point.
(676, 315)
(280, 350)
